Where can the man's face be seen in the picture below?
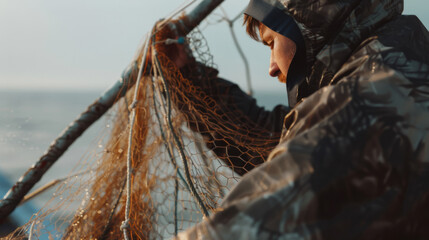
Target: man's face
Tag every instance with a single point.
(282, 52)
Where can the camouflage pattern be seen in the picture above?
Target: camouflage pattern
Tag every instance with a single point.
(353, 159)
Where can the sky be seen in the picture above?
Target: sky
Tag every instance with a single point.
(85, 45)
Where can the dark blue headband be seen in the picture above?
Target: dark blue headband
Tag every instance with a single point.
(275, 18)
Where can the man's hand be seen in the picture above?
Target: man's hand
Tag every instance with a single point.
(169, 41)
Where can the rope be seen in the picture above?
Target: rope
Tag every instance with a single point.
(30, 235)
(126, 223)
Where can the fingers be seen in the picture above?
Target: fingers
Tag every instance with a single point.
(170, 43)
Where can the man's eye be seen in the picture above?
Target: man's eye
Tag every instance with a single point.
(270, 43)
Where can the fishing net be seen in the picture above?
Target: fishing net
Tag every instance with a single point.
(188, 143)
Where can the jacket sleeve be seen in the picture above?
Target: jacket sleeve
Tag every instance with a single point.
(343, 170)
(233, 126)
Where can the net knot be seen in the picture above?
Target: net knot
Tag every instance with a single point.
(180, 40)
(133, 104)
(125, 225)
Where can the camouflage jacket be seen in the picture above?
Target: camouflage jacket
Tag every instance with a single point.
(353, 159)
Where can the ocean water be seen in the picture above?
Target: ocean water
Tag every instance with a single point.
(31, 120)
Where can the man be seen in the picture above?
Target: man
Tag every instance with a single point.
(353, 158)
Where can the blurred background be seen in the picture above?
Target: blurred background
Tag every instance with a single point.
(84, 45)
(57, 57)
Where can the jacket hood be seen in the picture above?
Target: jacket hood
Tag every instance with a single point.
(332, 30)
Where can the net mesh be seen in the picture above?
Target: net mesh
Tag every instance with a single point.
(190, 145)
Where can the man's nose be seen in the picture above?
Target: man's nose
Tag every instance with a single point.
(274, 68)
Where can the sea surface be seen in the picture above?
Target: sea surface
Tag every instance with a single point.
(31, 120)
